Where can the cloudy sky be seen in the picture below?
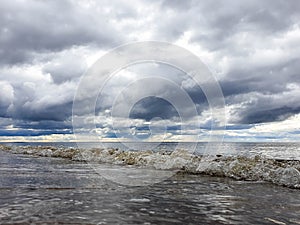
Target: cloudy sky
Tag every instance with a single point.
(252, 47)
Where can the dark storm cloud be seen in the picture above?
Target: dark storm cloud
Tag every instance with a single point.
(40, 101)
(58, 112)
(221, 26)
(35, 108)
(272, 83)
(151, 107)
(269, 115)
(43, 26)
(32, 132)
(260, 107)
(43, 124)
(51, 120)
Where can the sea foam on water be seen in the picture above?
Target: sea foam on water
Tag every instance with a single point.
(254, 168)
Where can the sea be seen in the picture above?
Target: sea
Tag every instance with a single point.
(149, 183)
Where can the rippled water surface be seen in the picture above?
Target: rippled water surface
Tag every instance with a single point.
(54, 190)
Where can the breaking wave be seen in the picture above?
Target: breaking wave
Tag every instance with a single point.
(254, 168)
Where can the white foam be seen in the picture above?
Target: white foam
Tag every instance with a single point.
(139, 200)
(255, 168)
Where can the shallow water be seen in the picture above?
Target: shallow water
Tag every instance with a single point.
(144, 167)
(54, 190)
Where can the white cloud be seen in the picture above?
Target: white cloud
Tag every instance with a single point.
(291, 124)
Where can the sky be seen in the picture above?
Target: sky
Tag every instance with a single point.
(251, 47)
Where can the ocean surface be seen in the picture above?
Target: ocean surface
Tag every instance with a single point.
(150, 183)
(270, 150)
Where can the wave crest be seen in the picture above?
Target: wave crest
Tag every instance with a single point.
(254, 168)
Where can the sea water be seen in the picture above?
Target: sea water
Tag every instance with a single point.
(245, 183)
(283, 150)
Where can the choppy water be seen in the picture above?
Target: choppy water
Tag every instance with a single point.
(278, 164)
(270, 150)
(63, 191)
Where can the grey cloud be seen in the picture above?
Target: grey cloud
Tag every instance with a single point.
(269, 115)
(6, 99)
(58, 112)
(30, 132)
(54, 106)
(226, 17)
(33, 128)
(151, 107)
(65, 68)
(259, 89)
(255, 107)
(42, 26)
(221, 26)
(43, 124)
(158, 85)
(268, 79)
(178, 4)
(36, 99)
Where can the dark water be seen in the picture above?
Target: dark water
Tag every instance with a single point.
(51, 190)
